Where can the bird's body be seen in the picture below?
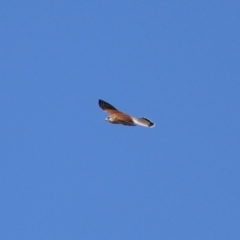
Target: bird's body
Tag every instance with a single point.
(117, 117)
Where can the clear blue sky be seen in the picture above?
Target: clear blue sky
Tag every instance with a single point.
(65, 173)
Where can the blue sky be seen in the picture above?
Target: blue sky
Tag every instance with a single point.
(68, 174)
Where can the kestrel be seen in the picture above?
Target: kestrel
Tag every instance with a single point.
(118, 117)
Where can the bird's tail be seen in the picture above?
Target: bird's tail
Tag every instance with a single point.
(145, 122)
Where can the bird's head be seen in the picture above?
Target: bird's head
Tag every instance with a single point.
(109, 119)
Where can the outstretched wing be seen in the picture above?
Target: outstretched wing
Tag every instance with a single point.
(107, 107)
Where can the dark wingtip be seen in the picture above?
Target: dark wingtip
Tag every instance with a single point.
(101, 103)
(104, 105)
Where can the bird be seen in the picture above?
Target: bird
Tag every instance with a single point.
(118, 117)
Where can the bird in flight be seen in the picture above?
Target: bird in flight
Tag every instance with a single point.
(118, 117)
